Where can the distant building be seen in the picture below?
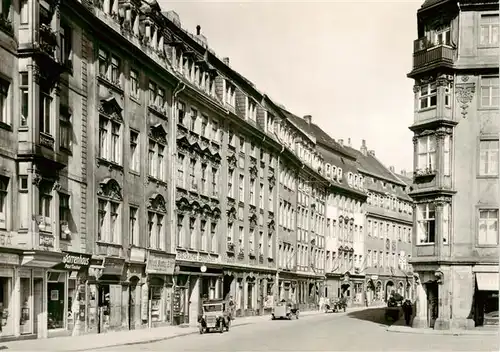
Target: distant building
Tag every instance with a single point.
(456, 163)
(388, 226)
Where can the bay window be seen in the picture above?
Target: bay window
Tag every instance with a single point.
(45, 112)
(426, 158)
(427, 96)
(4, 184)
(488, 227)
(446, 223)
(45, 205)
(446, 156)
(426, 223)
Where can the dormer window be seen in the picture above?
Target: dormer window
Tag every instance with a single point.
(229, 94)
(251, 112)
(270, 123)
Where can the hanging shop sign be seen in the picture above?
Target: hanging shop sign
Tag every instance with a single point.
(73, 261)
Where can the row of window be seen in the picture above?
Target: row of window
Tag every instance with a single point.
(197, 233)
(389, 230)
(376, 259)
(344, 231)
(194, 174)
(427, 152)
(313, 258)
(489, 93)
(389, 202)
(345, 261)
(199, 124)
(487, 225)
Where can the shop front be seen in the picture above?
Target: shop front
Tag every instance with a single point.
(107, 296)
(192, 285)
(136, 279)
(251, 292)
(65, 284)
(486, 295)
(9, 263)
(34, 276)
(156, 304)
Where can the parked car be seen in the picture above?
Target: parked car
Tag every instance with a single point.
(215, 316)
(285, 310)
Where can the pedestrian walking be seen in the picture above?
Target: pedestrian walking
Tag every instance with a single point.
(407, 311)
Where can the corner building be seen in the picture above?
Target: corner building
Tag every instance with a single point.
(456, 187)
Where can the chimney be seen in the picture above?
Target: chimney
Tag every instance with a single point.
(341, 142)
(349, 142)
(363, 147)
(225, 60)
(371, 152)
(198, 30)
(391, 169)
(308, 118)
(403, 172)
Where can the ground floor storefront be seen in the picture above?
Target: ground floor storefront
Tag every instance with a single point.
(305, 290)
(39, 293)
(347, 285)
(456, 296)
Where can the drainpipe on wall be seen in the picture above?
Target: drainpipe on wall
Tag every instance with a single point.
(276, 210)
(173, 130)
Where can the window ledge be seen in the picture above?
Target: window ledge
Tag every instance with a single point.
(427, 109)
(135, 99)
(487, 46)
(23, 129)
(5, 126)
(101, 242)
(487, 177)
(426, 244)
(487, 108)
(66, 150)
(486, 245)
(157, 180)
(108, 163)
(136, 173)
(104, 80)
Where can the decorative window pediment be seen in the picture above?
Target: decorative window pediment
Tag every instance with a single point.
(110, 188)
(111, 108)
(158, 133)
(157, 203)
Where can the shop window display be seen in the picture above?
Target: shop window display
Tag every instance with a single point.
(25, 314)
(155, 299)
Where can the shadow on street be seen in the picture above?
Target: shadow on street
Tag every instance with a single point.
(374, 315)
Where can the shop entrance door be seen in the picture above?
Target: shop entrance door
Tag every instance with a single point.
(432, 303)
(131, 307)
(55, 305)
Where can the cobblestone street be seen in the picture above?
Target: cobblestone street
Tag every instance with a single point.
(356, 331)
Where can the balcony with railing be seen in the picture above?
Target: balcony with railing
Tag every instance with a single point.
(427, 54)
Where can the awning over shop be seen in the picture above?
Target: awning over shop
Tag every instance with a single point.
(487, 281)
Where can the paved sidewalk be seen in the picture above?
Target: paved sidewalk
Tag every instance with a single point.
(121, 338)
(401, 327)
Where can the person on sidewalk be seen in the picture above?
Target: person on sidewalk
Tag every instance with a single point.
(407, 311)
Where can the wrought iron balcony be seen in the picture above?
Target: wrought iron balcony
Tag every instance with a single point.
(48, 40)
(427, 54)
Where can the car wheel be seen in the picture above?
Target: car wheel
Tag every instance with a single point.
(228, 324)
(273, 317)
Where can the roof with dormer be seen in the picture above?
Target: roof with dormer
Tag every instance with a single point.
(375, 168)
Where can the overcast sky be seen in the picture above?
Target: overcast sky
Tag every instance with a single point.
(344, 63)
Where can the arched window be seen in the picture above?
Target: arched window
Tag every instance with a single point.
(156, 221)
(109, 201)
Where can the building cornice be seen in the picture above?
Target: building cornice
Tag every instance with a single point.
(389, 217)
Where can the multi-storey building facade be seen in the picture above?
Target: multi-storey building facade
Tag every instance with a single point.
(456, 131)
(388, 224)
(344, 228)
